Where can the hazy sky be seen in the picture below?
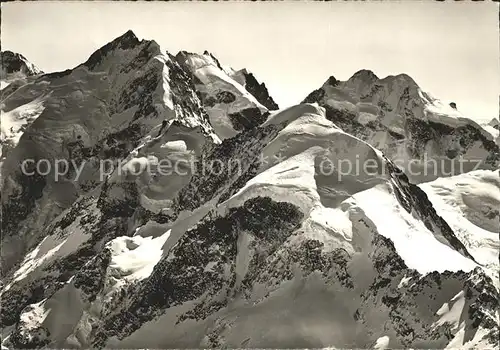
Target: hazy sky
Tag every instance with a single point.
(450, 49)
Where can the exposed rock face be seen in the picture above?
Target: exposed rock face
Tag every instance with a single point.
(256, 229)
(259, 91)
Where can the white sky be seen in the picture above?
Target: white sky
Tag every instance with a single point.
(451, 49)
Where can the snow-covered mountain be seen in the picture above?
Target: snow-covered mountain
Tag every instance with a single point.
(230, 107)
(493, 127)
(16, 71)
(414, 129)
(272, 245)
(13, 63)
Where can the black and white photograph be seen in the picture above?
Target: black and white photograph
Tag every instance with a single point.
(250, 175)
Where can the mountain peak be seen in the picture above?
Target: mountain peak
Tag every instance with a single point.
(404, 77)
(128, 40)
(13, 62)
(130, 33)
(214, 58)
(365, 75)
(494, 123)
(332, 81)
(128, 37)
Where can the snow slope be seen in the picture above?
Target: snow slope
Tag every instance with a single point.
(470, 203)
(14, 122)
